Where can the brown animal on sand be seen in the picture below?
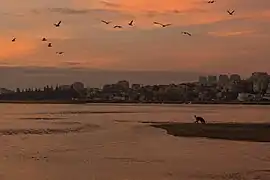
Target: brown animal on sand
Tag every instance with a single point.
(199, 119)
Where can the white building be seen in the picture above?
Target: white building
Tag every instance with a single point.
(249, 97)
(245, 97)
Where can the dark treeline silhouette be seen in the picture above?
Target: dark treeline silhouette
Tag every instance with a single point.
(46, 93)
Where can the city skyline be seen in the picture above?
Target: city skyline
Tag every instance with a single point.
(220, 43)
(211, 89)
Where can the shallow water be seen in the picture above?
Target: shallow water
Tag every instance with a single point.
(109, 142)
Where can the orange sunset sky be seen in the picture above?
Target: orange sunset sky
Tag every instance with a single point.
(219, 42)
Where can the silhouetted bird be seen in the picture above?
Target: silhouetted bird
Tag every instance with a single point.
(211, 1)
(199, 119)
(186, 33)
(118, 27)
(44, 39)
(106, 22)
(163, 25)
(14, 39)
(60, 52)
(231, 12)
(50, 45)
(58, 24)
(131, 23)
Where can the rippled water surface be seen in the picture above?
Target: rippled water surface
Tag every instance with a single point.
(108, 142)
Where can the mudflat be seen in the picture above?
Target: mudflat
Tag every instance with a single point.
(254, 132)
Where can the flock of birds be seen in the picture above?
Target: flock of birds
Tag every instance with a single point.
(131, 23)
(45, 39)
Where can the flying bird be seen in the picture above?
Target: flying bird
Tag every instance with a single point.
(61, 52)
(118, 26)
(14, 39)
(106, 22)
(211, 1)
(44, 39)
(131, 23)
(231, 12)
(186, 33)
(163, 25)
(58, 24)
(50, 45)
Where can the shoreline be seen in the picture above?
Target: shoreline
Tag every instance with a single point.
(126, 102)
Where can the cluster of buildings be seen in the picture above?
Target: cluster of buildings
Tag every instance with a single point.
(254, 88)
(222, 80)
(222, 88)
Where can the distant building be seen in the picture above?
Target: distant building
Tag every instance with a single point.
(123, 84)
(266, 96)
(260, 82)
(135, 86)
(90, 92)
(259, 74)
(106, 87)
(212, 80)
(235, 78)
(203, 80)
(162, 88)
(268, 89)
(118, 98)
(245, 97)
(223, 80)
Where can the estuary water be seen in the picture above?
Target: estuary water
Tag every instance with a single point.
(110, 142)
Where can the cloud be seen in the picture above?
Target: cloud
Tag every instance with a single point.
(111, 5)
(69, 10)
(232, 33)
(72, 63)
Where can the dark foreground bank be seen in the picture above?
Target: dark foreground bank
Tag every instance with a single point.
(82, 101)
(227, 131)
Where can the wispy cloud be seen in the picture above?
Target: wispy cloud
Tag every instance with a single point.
(110, 4)
(69, 10)
(232, 33)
